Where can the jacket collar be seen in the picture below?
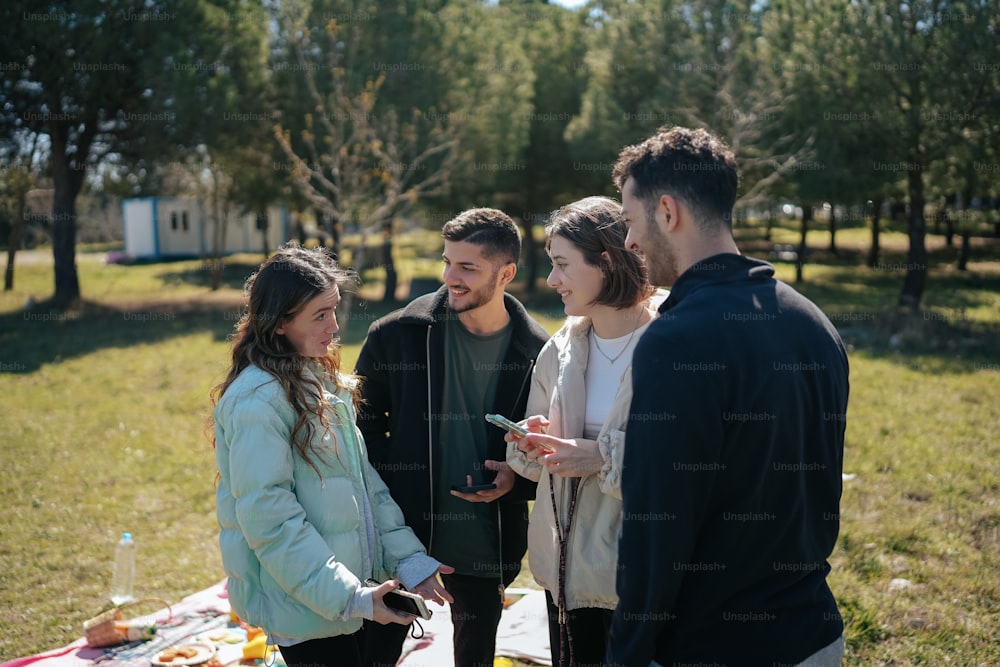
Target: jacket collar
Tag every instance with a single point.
(715, 270)
(433, 308)
(578, 325)
(426, 309)
(339, 394)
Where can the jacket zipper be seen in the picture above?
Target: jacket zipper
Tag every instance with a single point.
(527, 376)
(430, 439)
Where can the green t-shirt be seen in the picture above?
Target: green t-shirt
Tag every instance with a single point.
(465, 534)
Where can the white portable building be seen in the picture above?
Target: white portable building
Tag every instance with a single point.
(165, 227)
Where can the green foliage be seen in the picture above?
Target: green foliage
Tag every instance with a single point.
(359, 155)
(120, 83)
(840, 102)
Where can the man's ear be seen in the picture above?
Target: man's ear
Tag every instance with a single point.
(668, 213)
(507, 273)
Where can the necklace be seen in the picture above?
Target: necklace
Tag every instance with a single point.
(621, 352)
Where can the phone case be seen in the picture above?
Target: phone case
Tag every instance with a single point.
(461, 488)
(407, 603)
(503, 422)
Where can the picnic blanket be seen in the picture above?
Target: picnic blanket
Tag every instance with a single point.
(523, 633)
(204, 615)
(193, 619)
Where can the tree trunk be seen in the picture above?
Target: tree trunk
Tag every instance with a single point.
(833, 229)
(67, 177)
(262, 225)
(873, 252)
(963, 253)
(14, 242)
(358, 260)
(390, 267)
(770, 223)
(530, 254)
(220, 220)
(807, 214)
(335, 236)
(916, 258)
(214, 273)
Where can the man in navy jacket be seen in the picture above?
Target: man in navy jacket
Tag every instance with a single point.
(734, 448)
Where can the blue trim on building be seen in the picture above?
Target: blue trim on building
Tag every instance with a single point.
(124, 225)
(156, 226)
(199, 220)
(284, 223)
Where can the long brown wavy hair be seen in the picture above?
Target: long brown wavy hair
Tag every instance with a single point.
(274, 294)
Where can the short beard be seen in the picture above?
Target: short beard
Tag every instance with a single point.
(480, 297)
(661, 262)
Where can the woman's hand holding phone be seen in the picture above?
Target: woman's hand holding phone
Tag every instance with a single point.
(383, 614)
(532, 447)
(576, 457)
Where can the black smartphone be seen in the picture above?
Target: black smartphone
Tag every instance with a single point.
(407, 602)
(462, 488)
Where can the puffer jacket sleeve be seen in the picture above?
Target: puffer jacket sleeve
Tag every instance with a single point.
(268, 513)
(539, 401)
(373, 417)
(398, 540)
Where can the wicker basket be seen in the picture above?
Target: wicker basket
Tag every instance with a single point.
(102, 630)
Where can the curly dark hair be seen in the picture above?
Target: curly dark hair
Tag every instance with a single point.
(694, 166)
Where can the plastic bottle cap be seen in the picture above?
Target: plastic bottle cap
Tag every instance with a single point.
(126, 536)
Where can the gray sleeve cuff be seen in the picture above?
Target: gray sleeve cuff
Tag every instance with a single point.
(362, 605)
(415, 568)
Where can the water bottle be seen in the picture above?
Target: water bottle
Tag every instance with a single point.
(123, 579)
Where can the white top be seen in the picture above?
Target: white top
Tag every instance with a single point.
(604, 375)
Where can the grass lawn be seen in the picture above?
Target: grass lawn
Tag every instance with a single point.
(103, 425)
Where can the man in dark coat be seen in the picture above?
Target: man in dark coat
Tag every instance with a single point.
(430, 372)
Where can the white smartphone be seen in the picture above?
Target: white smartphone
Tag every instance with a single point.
(407, 602)
(513, 427)
(504, 423)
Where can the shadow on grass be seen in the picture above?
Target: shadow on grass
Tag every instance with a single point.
(862, 304)
(858, 300)
(234, 274)
(31, 339)
(41, 336)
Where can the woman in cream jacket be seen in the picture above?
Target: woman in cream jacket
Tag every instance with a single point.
(578, 409)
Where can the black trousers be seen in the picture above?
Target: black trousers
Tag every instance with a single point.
(339, 651)
(475, 615)
(589, 628)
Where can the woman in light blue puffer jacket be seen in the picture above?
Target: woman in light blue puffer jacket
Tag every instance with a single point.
(304, 518)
